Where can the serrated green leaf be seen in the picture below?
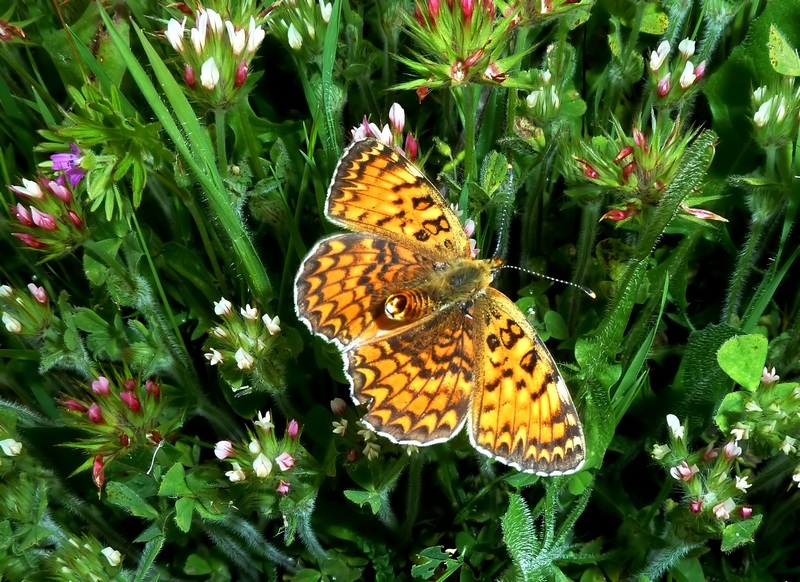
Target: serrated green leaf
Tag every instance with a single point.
(184, 507)
(149, 555)
(362, 498)
(740, 533)
(495, 170)
(518, 532)
(743, 358)
(123, 496)
(782, 56)
(174, 482)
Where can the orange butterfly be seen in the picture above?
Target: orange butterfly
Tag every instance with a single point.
(428, 344)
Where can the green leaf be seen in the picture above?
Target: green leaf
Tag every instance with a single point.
(556, 325)
(743, 359)
(307, 575)
(740, 533)
(431, 559)
(782, 56)
(183, 513)
(371, 498)
(688, 570)
(174, 482)
(149, 555)
(495, 170)
(126, 498)
(518, 532)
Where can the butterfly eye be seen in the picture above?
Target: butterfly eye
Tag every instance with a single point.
(395, 306)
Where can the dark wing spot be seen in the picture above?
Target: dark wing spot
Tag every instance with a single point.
(421, 235)
(422, 202)
(492, 342)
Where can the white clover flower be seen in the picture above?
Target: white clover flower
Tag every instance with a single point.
(788, 445)
(760, 93)
(264, 422)
(762, 115)
(658, 56)
(255, 36)
(742, 484)
(6, 292)
(113, 556)
(534, 98)
(254, 446)
(236, 474)
(223, 307)
(237, 38)
(686, 48)
(273, 324)
(11, 447)
(687, 76)
(372, 451)
(339, 427)
(215, 23)
(545, 76)
(675, 426)
(214, 357)
(209, 74)
(660, 451)
(11, 323)
(248, 312)
(326, 10)
(262, 466)
(198, 33)
(244, 361)
(174, 33)
(295, 40)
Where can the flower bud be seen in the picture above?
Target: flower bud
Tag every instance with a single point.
(153, 389)
(43, 220)
(11, 323)
(282, 488)
(686, 48)
(293, 429)
(188, 76)
(61, 191)
(130, 400)
(663, 86)
(241, 75)
(75, 406)
(397, 119)
(98, 471)
(411, 149)
(129, 385)
(623, 153)
(223, 449)
(209, 74)
(95, 414)
(100, 386)
(338, 406)
(29, 240)
(294, 38)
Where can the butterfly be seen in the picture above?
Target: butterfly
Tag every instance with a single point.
(428, 345)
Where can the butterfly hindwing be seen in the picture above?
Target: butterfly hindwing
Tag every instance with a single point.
(417, 382)
(522, 412)
(376, 190)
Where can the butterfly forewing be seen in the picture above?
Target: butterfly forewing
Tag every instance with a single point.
(522, 411)
(417, 382)
(376, 190)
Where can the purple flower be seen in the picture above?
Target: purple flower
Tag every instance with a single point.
(70, 164)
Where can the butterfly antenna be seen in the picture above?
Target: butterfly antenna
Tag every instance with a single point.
(508, 193)
(586, 290)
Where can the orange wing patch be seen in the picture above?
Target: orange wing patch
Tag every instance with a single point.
(376, 190)
(522, 412)
(343, 283)
(418, 381)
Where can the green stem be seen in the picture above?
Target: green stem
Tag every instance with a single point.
(584, 254)
(251, 143)
(413, 496)
(219, 130)
(468, 111)
(734, 296)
